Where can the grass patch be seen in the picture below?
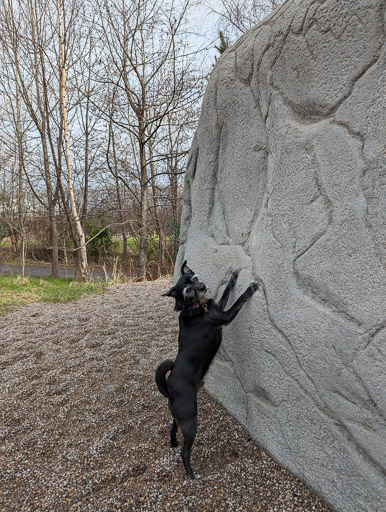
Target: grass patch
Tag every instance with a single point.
(17, 291)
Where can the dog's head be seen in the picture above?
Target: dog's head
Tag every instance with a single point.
(188, 290)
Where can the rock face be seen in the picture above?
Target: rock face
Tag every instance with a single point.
(286, 180)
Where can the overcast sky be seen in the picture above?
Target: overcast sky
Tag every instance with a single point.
(207, 27)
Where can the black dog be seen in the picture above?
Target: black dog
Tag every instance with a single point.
(200, 335)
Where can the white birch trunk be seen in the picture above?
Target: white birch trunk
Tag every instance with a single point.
(62, 85)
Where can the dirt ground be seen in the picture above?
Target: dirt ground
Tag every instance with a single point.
(83, 427)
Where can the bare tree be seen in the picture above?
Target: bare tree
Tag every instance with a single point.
(62, 88)
(25, 38)
(142, 40)
(238, 16)
(113, 165)
(104, 98)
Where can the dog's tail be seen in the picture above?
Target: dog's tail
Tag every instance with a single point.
(160, 376)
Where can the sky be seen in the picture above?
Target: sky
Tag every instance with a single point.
(207, 23)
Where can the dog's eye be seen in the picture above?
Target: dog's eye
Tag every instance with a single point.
(195, 278)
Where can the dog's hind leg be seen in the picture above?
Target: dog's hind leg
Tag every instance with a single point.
(189, 430)
(173, 432)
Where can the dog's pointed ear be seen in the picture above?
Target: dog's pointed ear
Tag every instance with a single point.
(185, 269)
(171, 293)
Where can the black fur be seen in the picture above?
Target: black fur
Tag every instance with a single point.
(200, 334)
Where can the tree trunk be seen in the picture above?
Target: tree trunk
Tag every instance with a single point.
(82, 251)
(125, 255)
(12, 231)
(20, 203)
(142, 260)
(51, 210)
(157, 221)
(54, 241)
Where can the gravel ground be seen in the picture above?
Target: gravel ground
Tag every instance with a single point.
(83, 428)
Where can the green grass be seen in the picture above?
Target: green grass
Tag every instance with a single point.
(132, 242)
(17, 291)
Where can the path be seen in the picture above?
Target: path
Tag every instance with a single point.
(45, 271)
(84, 428)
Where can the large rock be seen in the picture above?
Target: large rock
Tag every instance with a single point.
(286, 180)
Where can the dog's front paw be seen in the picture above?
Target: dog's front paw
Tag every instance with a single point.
(235, 275)
(253, 287)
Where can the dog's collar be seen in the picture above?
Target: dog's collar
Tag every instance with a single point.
(196, 306)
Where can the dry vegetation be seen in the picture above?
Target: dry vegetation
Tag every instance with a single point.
(83, 427)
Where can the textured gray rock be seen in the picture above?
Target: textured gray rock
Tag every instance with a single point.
(286, 180)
